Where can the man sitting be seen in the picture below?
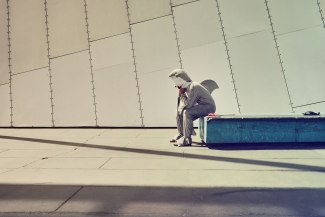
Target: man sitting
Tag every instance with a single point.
(194, 101)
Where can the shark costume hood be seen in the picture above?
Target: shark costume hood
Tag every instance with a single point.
(180, 78)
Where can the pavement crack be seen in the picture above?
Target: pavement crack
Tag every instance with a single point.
(104, 163)
(30, 163)
(69, 198)
(2, 151)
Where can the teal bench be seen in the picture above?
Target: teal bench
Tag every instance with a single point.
(262, 129)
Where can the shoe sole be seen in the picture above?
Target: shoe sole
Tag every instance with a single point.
(184, 145)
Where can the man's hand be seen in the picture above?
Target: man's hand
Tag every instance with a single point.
(182, 90)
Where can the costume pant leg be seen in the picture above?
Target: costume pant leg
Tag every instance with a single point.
(193, 113)
(179, 121)
(179, 117)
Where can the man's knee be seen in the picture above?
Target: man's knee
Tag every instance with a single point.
(187, 114)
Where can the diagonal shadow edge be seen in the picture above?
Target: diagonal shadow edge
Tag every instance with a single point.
(300, 167)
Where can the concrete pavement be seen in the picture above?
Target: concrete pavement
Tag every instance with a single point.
(137, 172)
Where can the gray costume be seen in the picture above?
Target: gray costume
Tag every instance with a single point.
(194, 103)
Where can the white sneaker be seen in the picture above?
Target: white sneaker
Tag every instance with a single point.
(184, 142)
(175, 138)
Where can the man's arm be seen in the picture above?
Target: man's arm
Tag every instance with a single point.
(191, 98)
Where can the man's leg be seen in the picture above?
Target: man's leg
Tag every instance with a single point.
(191, 114)
(179, 121)
(188, 118)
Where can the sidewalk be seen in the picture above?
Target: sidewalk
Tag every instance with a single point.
(137, 172)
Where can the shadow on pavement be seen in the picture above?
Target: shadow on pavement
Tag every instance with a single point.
(56, 200)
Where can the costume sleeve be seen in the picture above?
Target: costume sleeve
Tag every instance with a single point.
(182, 103)
(192, 98)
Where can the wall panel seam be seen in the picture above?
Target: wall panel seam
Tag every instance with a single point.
(18, 73)
(9, 63)
(91, 66)
(278, 52)
(321, 12)
(155, 18)
(186, 3)
(49, 63)
(228, 55)
(135, 65)
(297, 30)
(176, 36)
(111, 36)
(309, 104)
(67, 54)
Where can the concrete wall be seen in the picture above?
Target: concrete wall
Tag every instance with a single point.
(106, 62)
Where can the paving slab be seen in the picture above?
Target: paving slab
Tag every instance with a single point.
(127, 153)
(33, 198)
(39, 144)
(157, 201)
(258, 154)
(73, 163)
(39, 133)
(18, 153)
(121, 133)
(9, 163)
(321, 152)
(217, 164)
(189, 178)
(99, 142)
(80, 137)
(137, 172)
(3, 170)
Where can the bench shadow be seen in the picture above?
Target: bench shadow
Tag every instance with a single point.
(266, 146)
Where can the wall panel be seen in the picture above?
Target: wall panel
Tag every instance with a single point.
(303, 55)
(111, 51)
(156, 56)
(159, 98)
(4, 62)
(103, 16)
(293, 15)
(73, 99)
(117, 96)
(210, 62)
(203, 28)
(203, 58)
(116, 92)
(159, 41)
(258, 77)
(31, 97)
(141, 10)
(155, 45)
(67, 27)
(5, 106)
(251, 17)
(28, 35)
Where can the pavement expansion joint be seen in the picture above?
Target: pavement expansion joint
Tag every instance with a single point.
(69, 198)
